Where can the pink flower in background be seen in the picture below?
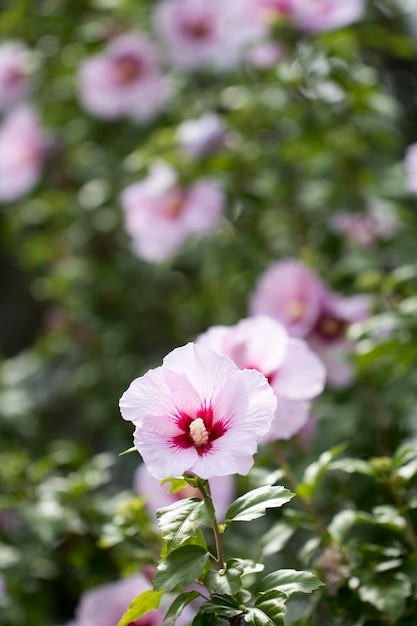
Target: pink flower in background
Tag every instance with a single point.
(328, 337)
(106, 604)
(321, 15)
(265, 54)
(23, 143)
(367, 227)
(158, 496)
(205, 32)
(201, 137)
(291, 293)
(15, 65)
(410, 165)
(160, 216)
(123, 80)
(198, 413)
(294, 372)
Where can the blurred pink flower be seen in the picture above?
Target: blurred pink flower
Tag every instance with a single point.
(294, 372)
(328, 337)
(160, 216)
(105, 605)
(265, 54)
(15, 61)
(410, 164)
(198, 413)
(23, 144)
(158, 496)
(291, 293)
(201, 137)
(367, 227)
(321, 15)
(123, 80)
(206, 32)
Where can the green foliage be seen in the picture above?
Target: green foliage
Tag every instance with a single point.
(147, 601)
(253, 504)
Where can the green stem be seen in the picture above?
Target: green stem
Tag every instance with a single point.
(218, 537)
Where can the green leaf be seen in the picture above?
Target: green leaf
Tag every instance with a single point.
(248, 566)
(351, 466)
(140, 606)
(289, 581)
(314, 473)
(176, 484)
(205, 619)
(254, 503)
(180, 603)
(225, 606)
(388, 596)
(275, 539)
(181, 520)
(269, 610)
(182, 566)
(227, 581)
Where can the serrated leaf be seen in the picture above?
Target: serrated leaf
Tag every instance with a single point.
(269, 610)
(179, 604)
(182, 566)
(276, 538)
(314, 472)
(388, 596)
(289, 581)
(227, 581)
(224, 606)
(254, 503)
(248, 566)
(140, 606)
(181, 520)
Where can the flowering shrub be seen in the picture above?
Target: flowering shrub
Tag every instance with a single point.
(231, 184)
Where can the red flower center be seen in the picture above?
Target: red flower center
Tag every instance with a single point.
(128, 68)
(199, 431)
(330, 328)
(199, 27)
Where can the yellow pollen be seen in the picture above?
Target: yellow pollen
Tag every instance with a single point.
(296, 310)
(198, 432)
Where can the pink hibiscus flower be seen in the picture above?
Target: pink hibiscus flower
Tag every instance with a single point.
(368, 227)
(200, 138)
(15, 65)
(291, 293)
(123, 80)
(294, 372)
(160, 216)
(410, 165)
(198, 413)
(106, 604)
(23, 146)
(322, 15)
(158, 496)
(205, 32)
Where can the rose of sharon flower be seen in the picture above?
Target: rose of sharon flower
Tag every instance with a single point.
(198, 413)
(106, 604)
(23, 145)
(158, 496)
(123, 80)
(366, 228)
(294, 372)
(322, 15)
(291, 293)
(160, 216)
(15, 61)
(410, 164)
(206, 32)
(328, 336)
(203, 136)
